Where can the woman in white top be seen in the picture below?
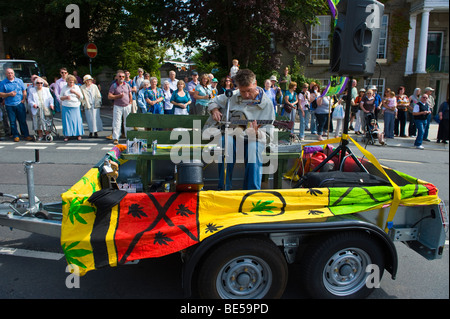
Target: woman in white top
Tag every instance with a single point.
(168, 107)
(71, 98)
(42, 104)
(92, 102)
(322, 110)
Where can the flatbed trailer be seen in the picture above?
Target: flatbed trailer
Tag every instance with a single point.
(340, 255)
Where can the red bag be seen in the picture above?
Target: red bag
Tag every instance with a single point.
(315, 160)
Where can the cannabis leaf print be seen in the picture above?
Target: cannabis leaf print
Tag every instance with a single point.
(72, 254)
(315, 212)
(182, 210)
(161, 239)
(263, 206)
(212, 228)
(314, 192)
(136, 211)
(77, 208)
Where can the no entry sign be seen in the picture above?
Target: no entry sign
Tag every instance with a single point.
(90, 50)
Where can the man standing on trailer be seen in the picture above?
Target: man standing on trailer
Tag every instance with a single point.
(250, 100)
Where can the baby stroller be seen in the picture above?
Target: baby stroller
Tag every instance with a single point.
(373, 131)
(47, 124)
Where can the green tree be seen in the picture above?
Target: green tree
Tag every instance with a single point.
(124, 36)
(244, 30)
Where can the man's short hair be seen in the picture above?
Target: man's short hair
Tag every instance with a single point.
(245, 77)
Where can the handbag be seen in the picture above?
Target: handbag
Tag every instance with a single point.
(47, 111)
(287, 108)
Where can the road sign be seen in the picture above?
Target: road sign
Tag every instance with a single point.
(90, 50)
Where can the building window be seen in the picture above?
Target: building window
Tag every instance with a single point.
(382, 44)
(434, 51)
(379, 83)
(320, 40)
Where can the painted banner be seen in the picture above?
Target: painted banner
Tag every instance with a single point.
(128, 226)
(333, 7)
(336, 86)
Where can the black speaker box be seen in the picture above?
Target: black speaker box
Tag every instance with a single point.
(356, 36)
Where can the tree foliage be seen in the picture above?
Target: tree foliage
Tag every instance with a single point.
(132, 33)
(245, 30)
(37, 30)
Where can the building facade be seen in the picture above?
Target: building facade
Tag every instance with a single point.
(413, 50)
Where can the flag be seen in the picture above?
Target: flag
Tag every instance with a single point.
(333, 7)
(335, 86)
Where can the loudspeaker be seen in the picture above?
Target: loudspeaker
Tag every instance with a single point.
(356, 36)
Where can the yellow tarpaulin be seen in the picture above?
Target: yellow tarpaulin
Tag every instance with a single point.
(145, 225)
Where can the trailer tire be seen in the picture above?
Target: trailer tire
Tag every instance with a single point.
(244, 268)
(338, 267)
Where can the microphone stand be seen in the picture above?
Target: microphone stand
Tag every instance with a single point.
(228, 94)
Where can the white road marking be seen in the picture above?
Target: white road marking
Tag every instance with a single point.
(40, 143)
(84, 144)
(73, 148)
(30, 253)
(36, 147)
(398, 161)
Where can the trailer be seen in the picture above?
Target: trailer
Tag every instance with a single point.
(238, 244)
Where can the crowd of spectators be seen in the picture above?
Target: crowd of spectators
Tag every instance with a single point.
(302, 102)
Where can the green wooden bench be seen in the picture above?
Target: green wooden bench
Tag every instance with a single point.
(159, 127)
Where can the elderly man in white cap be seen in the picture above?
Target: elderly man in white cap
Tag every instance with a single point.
(428, 91)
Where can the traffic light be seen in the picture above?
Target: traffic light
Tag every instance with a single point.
(356, 36)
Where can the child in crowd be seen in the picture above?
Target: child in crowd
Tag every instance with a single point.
(235, 68)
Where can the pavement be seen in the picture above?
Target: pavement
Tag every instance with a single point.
(402, 142)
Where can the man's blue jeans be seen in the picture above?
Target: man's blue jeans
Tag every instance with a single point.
(252, 159)
(420, 125)
(19, 113)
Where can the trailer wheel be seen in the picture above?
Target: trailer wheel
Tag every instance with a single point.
(336, 267)
(245, 268)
